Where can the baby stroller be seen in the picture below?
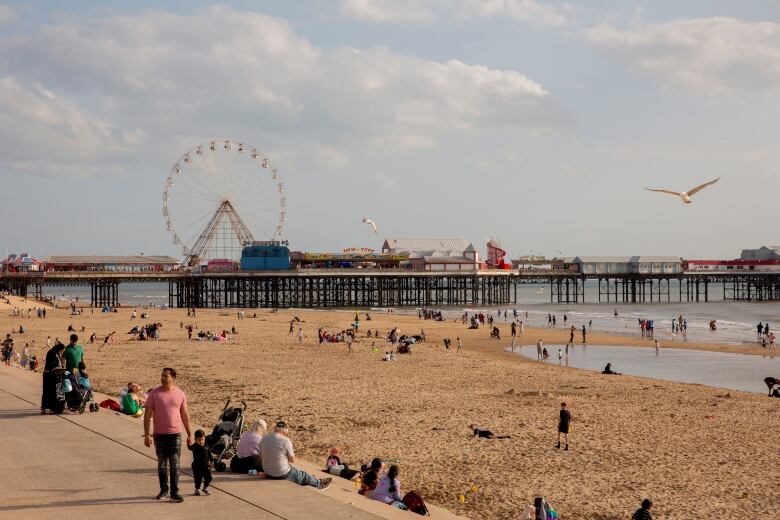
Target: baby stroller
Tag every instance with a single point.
(79, 396)
(223, 441)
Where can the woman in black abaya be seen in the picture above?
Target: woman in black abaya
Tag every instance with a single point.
(52, 375)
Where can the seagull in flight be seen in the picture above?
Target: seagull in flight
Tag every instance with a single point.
(685, 196)
(370, 223)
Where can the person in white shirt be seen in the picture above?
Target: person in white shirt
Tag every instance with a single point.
(277, 455)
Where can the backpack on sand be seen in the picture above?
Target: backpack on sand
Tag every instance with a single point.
(415, 503)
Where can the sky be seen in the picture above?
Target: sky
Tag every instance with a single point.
(536, 122)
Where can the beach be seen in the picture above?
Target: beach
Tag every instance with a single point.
(693, 449)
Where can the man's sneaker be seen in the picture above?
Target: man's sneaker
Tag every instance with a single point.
(325, 483)
(206, 491)
(566, 448)
(177, 498)
(197, 492)
(558, 445)
(162, 495)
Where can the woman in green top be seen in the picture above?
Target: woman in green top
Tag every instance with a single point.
(130, 404)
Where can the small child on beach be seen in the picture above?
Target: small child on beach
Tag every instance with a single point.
(201, 462)
(335, 466)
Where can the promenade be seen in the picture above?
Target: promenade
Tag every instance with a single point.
(95, 466)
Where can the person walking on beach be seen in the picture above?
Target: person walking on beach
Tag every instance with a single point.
(301, 335)
(460, 346)
(166, 406)
(539, 350)
(564, 419)
(643, 513)
(584, 340)
(571, 334)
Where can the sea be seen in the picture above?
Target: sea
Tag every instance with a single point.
(716, 369)
(736, 321)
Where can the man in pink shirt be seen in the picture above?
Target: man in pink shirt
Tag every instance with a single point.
(166, 405)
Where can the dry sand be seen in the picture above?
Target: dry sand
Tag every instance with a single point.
(698, 452)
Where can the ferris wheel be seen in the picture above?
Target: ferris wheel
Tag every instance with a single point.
(220, 196)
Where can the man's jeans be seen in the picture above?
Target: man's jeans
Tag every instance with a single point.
(301, 477)
(168, 449)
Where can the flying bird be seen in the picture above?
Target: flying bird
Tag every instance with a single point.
(685, 196)
(370, 223)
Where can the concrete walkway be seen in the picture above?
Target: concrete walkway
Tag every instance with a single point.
(95, 465)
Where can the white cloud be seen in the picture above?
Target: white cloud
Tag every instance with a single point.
(395, 11)
(332, 156)
(532, 12)
(539, 14)
(169, 80)
(7, 15)
(36, 125)
(708, 55)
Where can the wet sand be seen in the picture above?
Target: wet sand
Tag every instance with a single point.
(688, 447)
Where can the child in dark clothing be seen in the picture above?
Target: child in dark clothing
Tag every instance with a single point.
(334, 466)
(201, 461)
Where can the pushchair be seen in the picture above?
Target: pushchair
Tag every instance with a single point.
(79, 395)
(223, 441)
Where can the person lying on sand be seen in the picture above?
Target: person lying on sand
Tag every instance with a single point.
(486, 434)
(608, 370)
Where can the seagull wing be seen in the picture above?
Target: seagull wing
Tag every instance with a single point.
(701, 187)
(370, 223)
(668, 192)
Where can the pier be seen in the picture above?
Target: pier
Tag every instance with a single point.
(335, 288)
(311, 288)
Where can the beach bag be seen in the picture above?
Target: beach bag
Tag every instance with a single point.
(415, 503)
(66, 386)
(110, 404)
(336, 469)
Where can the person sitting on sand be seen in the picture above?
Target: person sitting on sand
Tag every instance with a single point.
(771, 382)
(643, 513)
(370, 477)
(249, 455)
(608, 370)
(335, 466)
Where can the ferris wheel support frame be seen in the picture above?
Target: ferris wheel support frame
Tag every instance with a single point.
(209, 234)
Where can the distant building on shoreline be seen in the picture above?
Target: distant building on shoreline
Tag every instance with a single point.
(762, 253)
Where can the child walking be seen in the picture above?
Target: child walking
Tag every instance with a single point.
(201, 461)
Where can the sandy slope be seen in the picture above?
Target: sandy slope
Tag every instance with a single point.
(688, 447)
